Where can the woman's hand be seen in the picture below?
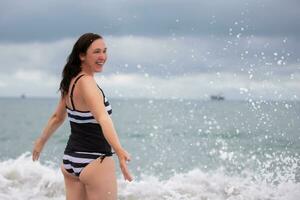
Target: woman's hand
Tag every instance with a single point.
(124, 157)
(37, 148)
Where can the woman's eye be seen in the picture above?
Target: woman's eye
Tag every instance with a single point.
(99, 51)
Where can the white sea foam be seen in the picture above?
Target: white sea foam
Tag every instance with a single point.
(22, 179)
(199, 185)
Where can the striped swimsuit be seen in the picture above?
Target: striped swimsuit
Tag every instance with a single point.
(86, 142)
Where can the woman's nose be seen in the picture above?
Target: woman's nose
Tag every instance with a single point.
(102, 56)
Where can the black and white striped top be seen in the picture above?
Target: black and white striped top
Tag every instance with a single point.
(86, 132)
(86, 116)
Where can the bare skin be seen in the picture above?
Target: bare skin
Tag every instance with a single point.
(97, 180)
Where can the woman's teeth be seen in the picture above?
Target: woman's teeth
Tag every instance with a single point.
(99, 63)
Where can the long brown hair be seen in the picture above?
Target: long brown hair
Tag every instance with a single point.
(73, 65)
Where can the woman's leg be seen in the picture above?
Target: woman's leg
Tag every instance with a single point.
(75, 190)
(100, 179)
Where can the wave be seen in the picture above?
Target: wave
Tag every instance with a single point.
(22, 179)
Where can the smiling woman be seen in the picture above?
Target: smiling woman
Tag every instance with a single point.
(88, 167)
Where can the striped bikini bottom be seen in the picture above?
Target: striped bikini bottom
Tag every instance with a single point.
(75, 162)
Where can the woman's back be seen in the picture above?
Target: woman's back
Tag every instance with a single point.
(86, 133)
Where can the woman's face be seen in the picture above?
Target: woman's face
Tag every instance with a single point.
(95, 56)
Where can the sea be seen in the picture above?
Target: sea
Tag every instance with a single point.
(181, 149)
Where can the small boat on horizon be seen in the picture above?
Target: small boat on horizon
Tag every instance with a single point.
(217, 97)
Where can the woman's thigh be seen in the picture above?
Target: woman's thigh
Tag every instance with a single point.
(100, 179)
(75, 189)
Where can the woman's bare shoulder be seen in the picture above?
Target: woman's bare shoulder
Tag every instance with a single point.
(87, 81)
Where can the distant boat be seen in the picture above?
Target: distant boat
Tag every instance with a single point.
(217, 97)
(23, 96)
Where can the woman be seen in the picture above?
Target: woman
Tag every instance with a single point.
(88, 167)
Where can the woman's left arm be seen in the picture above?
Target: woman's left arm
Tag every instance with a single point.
(54, 122)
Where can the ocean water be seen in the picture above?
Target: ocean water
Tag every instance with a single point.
(181, 149)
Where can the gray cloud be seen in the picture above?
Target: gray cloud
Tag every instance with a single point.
(164, 44)
(36, 20)
(164, 56)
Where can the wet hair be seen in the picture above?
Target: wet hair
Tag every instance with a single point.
(73, 65)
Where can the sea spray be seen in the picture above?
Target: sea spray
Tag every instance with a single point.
(22, 179)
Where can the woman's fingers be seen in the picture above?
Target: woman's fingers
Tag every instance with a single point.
(125, 171)
(35, 155)
(124, 157)
(37, 148)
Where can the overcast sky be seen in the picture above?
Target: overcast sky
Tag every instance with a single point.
(242, 49)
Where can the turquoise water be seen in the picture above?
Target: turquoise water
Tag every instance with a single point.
(218, 149)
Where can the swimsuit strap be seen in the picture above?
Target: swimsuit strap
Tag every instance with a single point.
(102, 93)
(71, 94)
(105, 155)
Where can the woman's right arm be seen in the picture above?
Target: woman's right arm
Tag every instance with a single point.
(54, 122)
(93, 98)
